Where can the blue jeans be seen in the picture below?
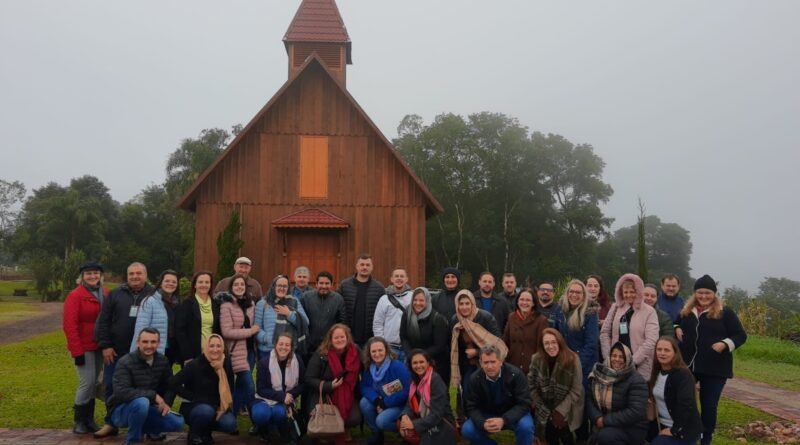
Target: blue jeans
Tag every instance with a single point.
(401, 354)
(386, 420)
(244, 390)
(202, 420)
(710, 392)
(523, 430)
(263, 414)
(108, 377)
(141, 417)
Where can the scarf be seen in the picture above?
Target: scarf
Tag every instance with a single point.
(424, 389)
(225, 398)
(283, 380)
(552, 386)
(96, 291)
(378, 373)
(412, 323)
(343, 396)
(603, 377)
(478, 333)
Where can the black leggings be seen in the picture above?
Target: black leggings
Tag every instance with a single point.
(553, 435)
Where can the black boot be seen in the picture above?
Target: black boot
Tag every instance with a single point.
(79, 417)
(89, 419)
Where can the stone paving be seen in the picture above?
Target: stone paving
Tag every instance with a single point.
(778, 402)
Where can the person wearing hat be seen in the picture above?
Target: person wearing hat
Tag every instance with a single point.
(708, 335)
(242, 266)
(445, 301)
(81, 309)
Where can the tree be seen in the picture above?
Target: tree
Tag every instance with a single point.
(668, 247)
(782, 294)
(735, 298)
(505, 208)
(193, 157)
(641, 248)
(229, 245)
(11, 193)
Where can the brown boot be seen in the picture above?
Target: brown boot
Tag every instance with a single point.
(106, 431)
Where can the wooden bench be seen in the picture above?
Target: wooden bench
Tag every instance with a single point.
(20, 292)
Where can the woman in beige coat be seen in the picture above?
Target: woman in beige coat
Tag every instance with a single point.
(632, 323)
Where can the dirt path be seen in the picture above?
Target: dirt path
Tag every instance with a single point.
(48, 320)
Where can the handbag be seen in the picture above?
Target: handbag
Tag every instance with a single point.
(410, 436)
(325, 420)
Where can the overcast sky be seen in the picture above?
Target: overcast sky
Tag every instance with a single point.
(694, 106)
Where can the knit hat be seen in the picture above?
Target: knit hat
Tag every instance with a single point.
(451, 270)
(91, 265)
(705, 282)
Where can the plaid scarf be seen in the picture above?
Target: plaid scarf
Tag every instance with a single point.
(551, 387)
(478, 333)
(603, 377)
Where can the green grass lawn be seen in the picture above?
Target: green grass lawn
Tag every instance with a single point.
(14, 311)
(769, 360)
(7, 289)
(39, 382)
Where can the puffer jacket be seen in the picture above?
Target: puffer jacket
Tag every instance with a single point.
(134, 378)
(265, 318)
(81, 309)
(347, 289)
(231, 322)
(584, 341)
(152, 313)
(115, 324)
(628, 404)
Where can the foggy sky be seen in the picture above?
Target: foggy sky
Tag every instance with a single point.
(694, 106)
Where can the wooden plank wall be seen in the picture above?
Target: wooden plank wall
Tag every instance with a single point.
(368, 187)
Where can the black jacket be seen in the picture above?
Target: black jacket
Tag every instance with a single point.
(115, 324)
(322, 312)
(188, 327)
(437, 427)
(134, 378)
(347, 289)
(445, 303)
(682, 406)
(628, 404)
(434, 338)
(699, 335)
(197, 383)
(500, 309)
(479, 399)
(316, 372)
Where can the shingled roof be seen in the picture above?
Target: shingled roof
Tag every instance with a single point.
(318, 21)
(310, 218)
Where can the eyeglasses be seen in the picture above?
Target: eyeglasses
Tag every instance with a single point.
(575, 292)
(545, 289)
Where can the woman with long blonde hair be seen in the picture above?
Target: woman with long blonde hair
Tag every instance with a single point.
(708, 334)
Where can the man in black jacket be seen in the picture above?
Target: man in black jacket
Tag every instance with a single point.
(115, 327)
(141, 399)
(361, 293)
(486, 299)
(324, 309)
(498, 399)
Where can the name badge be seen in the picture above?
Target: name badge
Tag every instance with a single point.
(623, 328)
(134, 311)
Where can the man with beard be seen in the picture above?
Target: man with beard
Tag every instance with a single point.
(324, 309)
(361, 293)
(488, 301)
(545, 303)
(445, 301)
(389, 311)
(509, 285)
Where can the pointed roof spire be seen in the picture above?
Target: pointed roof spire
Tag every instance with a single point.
(318, 21)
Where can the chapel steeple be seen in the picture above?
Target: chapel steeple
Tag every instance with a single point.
(318, 27)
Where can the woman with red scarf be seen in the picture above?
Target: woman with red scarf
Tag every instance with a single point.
(427, 414)
(335, 366)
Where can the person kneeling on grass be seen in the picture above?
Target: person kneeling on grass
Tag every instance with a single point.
(498, 400)
(384, 387)
(279, 383)
(141, 399)
(204, 384)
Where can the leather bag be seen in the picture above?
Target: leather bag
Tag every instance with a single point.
(325, 420)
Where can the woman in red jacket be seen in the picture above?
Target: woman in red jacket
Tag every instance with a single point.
(81, 309)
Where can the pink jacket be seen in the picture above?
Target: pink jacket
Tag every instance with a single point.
(231, 319)
(642, 327)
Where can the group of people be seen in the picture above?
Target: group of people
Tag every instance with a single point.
(585, 367)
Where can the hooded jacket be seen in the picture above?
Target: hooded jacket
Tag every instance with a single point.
(445, 301)
(642, 327)
(628, 398)
(231, 321)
